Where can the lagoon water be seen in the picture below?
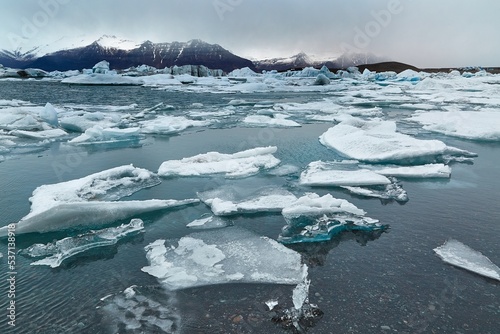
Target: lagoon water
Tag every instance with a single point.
(364, 283)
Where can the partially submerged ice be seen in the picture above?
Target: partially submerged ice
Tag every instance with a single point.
(229, 255)
(166, 125)
(420, 171)
(208, 222)
(227, 201)
(240, 164)
(91, 201)
(457, 254)
(57, 252)
(279, 120)
(378, 141)
(100, 135)
(312, 218)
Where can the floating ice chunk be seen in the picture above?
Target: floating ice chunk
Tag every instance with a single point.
(320, 173)
(169, 124)
(284, 170)
(480, 125)
(97, 134)
(300, 294)
(312, 218)
(80, 123)
(44, 134)
(222, 201)
(240, 164)
(393, 191)
(321, 80)
(49, 115)
(208, 222)
(378, 141)
(242, 73)
(102, 80)
(85, 202)
(101, 67)
(422, 171)
(275, 120)
(456, 253)
(64, 249)
(141, 310)
(222, 256)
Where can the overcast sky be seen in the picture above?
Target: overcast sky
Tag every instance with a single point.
(425, 33)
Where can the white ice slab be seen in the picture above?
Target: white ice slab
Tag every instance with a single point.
(313, 204)
(102, 79)
(240, 164)
(421, 171)
(456, 253)
(169, 124)
(277, 120)
(477, 125)
(378, 141)
(97, 134)
(57, 252)
(40, 135)
(323, 173)
(229, 255)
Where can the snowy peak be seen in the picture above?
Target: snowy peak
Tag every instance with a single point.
(111, 41)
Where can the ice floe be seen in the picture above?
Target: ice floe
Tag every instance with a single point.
(41, 135)
(97, 134)
(276, 120)
(312, 218)
(57, 252)
(476, 125)
(103, 79)
(378, 141)
(169, 124)
(240, 164)
(225, 201)
(457, 254)
(222, 256)
(208, 222)
(91, 201)
(420, 171)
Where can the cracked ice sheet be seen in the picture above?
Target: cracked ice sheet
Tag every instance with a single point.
(61, 250)
(91, 201)
(225, 201)
(475, 125)
(222, 256)
(456, 253)
(377, 141)
(240, 164)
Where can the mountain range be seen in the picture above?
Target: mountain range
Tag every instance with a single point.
(124, 54)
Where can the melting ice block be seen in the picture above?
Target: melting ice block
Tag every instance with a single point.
(276, 120)
(61, 250)
(312, 218)
(222, 256)
(422, 171)
(224, 201)
(377, 141)
(480, 125)
(240, 164)
(456, 253)
(165, 125)
(208, 222)
(320, 173)
(98, 134)
(41, 135)
(91, 201)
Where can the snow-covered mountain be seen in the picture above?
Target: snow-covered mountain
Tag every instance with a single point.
(122, 53)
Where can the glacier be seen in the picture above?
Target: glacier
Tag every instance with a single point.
(57, 252)
(460, 255)
(230, 255)
(239, 164)
(91, 201)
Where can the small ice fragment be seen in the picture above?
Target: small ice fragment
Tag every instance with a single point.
(272, 303)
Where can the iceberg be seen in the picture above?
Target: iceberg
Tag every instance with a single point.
(229, 255)
(101, 79)
(91, 201)
(87, 120)
(473, 125)
(223, 201)
(457, 254)
(49, 115)
(61, 250)
(25, 118)
(165, 125)
(377, 141)
(240, 164)
(320, 173)
(312, 218)
(276, 120)
(97, 134)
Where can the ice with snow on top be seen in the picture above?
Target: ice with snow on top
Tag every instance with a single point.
(378, 141)
(460, 255)
(328, 173)
(101, 67)
(97, 134)
(421, 171)
(29, 118)
(43, 134)
(276, 120)
(91, 201)
(242, 73)
(225, 202)
(312, 218)
(57, 252)
(474, 125)
(230, 255)
(240, 164)
(169, 124)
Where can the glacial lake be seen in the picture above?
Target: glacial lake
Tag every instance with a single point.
(362, 282)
